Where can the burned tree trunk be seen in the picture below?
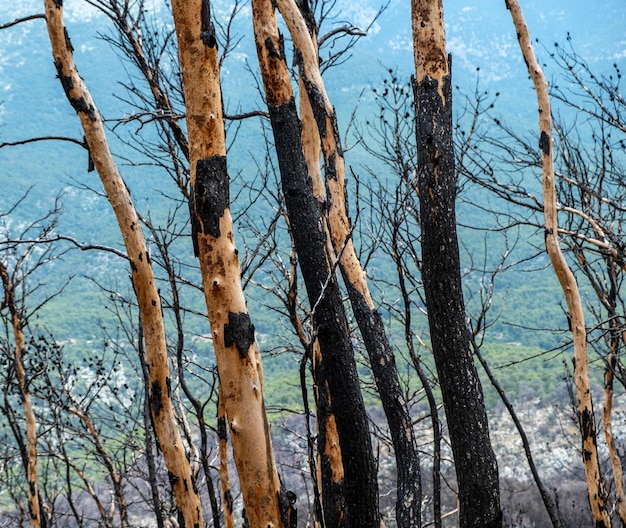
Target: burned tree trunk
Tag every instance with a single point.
(28, 451)
(236, 350)
(586, 418)
(331, 504)
(142, 275)
(337, 366)
(476, 467)
(370, 323)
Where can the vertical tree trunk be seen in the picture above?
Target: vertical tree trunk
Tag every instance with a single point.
(476, 467)
(142, 276)
(329, 474)
(607, 422)
(29, 454)
(587, 423)
(337, 365)
(234, 342)
(382, 360)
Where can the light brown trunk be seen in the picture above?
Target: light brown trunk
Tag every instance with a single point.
(30, 463)
(142, 275)
(595, 485)
(236, 350)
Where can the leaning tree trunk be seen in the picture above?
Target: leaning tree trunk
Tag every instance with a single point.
(586, 419)
(236, 350)
(475, 462)
(29, 454)
(337, 366)
(330, 492)
(142, 275)
(382, 360)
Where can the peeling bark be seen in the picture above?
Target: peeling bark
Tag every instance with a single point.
(595, 485)
(142, 275)
(236, 350)
(475, 462)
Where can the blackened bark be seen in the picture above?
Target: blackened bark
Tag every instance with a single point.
(476, 466)
(334, 505)
(301, 24)
(337, 365)
(239, 332)
(383, 364)
(209, 197)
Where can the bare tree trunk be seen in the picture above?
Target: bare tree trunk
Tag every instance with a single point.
(29, 454)
(607, 423)
(236, 350)
(170, 441)
(382, 360)
(329, 473)
(475, 462)
(587, 424)
(336, 366)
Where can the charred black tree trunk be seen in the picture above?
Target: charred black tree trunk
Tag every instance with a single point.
(476, 466)
(337, 367)
(383, 364)
(382, 360)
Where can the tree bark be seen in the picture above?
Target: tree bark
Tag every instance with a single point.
(475, 462)
(586, 418)
(337, 365)
(382, 360)
(329, 475)
(142, 276)
(29, 454)
(236, 350)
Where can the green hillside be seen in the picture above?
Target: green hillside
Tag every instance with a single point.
(527, 314)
